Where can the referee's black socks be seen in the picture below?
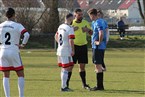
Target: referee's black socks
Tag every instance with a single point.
(83, 77)
(69, 76)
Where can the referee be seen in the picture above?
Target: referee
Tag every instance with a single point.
(81, 28)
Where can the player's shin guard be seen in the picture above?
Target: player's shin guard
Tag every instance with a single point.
(64, 77)
(83, 77)
(100, 80)
(6, 86)
(21, 86)
(69, 76)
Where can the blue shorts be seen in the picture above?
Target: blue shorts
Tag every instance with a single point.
(98, 56)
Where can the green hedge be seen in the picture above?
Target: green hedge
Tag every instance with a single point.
(47, 41)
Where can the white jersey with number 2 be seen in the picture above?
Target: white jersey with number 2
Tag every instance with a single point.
(10, 33)
(65, 32)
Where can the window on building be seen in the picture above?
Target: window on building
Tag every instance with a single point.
(110, 1)
(81, 2)
(119, 1)
(127, 1)
(102, 2)
(96, 2)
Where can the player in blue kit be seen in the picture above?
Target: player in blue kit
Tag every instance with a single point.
(100, 16)
(98, 46)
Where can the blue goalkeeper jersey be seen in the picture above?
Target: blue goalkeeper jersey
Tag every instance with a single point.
(99, 24)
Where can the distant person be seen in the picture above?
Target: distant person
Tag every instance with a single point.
(121, 28)
(10, 32)
(81, 27)
(65, 50)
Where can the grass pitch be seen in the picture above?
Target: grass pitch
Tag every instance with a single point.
(125, 75)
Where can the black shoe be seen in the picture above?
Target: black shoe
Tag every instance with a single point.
(86, 87)
(97, 89)
(66, 89)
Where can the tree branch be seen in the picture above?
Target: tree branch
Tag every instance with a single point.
(40, 17)
(140, 10)
(144, 7)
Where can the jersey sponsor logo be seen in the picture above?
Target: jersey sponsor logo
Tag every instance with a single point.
(7, 26)
(62, 29)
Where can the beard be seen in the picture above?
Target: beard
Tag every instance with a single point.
(80, 19)
(71, 23)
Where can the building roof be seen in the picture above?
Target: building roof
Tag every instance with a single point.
(21, 3)
(106, 4)
(126, 4)
(67, 4)
(84, 4)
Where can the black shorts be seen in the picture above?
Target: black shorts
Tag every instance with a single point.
(81, 54)
(98, 56)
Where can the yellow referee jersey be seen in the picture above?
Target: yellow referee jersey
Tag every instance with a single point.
(80, 36)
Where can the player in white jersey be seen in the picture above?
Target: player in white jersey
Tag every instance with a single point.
(10, 32)
(65, 50)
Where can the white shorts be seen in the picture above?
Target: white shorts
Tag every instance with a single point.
(10, 60)
(65, 62)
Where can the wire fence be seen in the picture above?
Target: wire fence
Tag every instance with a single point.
(42, 41)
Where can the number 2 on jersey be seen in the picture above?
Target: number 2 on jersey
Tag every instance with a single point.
(60, 40)
(8, 37)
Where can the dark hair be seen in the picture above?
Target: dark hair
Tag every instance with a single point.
(100, 12)
(92, 11)
(78, 10)
(10, 12)
(69, 15)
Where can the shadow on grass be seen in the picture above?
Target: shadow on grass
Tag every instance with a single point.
(126, 43)
(127, 72)
(125, 49)
(125, 91)
(41, 66)
(42, 80)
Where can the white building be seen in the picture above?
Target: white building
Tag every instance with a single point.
(130, 10)
(120, 8)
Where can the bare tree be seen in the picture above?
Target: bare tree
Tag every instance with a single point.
(140, 9)
(57, 11)
(53, 16)
(50, 19)
(67, 6)
(44, 23)
(29, 14)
